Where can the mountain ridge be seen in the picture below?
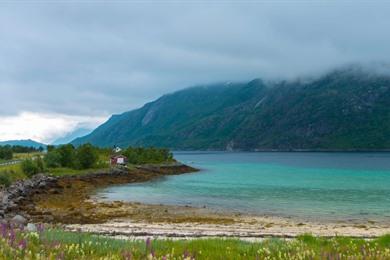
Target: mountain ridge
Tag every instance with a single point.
(23, 142)
(346, 109)
(67, 138)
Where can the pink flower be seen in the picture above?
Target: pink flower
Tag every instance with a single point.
(22, 244)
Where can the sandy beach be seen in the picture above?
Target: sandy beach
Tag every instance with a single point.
(185, 222)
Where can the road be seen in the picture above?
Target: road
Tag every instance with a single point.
(10, 162)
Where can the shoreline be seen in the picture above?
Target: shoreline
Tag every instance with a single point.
(289, 151)
(175, 222)
(69, 202)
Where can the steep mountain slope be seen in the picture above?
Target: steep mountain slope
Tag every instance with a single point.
(345, 109)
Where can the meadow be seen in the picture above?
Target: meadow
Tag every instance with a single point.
(54, 243)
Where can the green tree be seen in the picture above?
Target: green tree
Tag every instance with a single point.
(50, 148)
(29, 167)
(40, 164)
(86, 156)
(53, 159)
(141, 155)
(6, 152)
(67, 153)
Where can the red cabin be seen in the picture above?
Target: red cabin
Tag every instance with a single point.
(118, 160)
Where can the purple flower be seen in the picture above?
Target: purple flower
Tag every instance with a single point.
(186, 254)
(4, 230)
(148, 242)
(12, 237)
(164, 258)
(40, 228)
(22, 244)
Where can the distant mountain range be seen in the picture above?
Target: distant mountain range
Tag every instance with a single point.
(26, 143)
(347, 109)
(71, 136)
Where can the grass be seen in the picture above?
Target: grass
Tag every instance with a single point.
(23, 156)
(14, 172)
(59, 244)
(11, 173)
(69, 171)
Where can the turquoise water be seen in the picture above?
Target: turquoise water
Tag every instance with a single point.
(332, 186)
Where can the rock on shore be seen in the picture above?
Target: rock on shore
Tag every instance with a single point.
(21, 192)
(19, 200)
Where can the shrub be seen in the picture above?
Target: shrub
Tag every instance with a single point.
(53, 159)
(5, 179)
(67, 153)
(29, 167)
(86, 156)
(6, 152)
(140, 155)
(40, 164)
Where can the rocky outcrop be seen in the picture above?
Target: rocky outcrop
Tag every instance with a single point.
(172, 168)
(45, 198)
(20, 193)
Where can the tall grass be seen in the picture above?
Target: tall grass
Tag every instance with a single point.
(59, 244)
(10, 174)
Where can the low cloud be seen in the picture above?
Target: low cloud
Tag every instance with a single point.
(92, 59)
(43, 127)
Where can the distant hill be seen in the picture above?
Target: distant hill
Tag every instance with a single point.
(71, 136)
(26, 143)
(347, 109)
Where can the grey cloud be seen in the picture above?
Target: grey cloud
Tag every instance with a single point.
(99, 58)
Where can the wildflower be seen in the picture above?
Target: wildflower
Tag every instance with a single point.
(148, 242)
(4, 230)
(40, 228)
(12, 237)
(22, 244)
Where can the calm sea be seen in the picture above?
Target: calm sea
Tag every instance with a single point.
(323, 186)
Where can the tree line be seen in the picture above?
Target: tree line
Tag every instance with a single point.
(87, 156)
(142, 155)
(67, 156)
(7, 151)
(82, 157)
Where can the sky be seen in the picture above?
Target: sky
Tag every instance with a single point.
(71, 64)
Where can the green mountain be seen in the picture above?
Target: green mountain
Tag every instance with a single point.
(25, 143)
(347, 109)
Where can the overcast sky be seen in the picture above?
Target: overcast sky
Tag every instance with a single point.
(69, 65)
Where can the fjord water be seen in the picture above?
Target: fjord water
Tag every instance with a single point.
(323, 186)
